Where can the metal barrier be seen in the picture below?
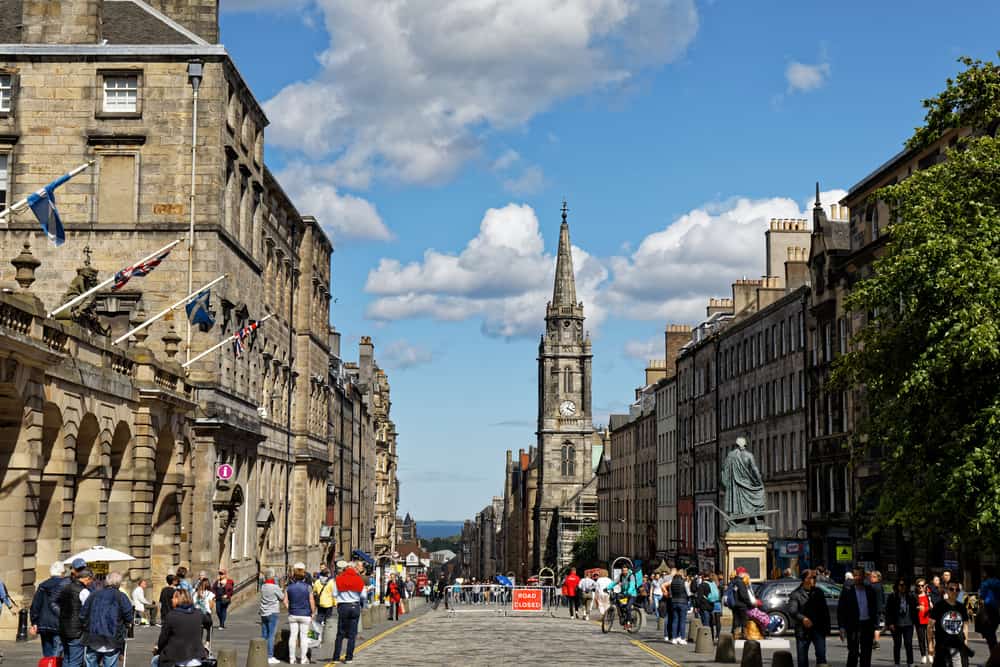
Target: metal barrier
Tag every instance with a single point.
(503, 600)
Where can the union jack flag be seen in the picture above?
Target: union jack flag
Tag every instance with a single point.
(138, 270)
(241, 337)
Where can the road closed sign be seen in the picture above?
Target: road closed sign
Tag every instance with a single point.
(527, 599)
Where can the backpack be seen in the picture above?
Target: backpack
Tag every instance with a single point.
(729, 597)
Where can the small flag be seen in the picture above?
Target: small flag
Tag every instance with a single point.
(241, 337)
(138, 271)
(199, 311)
(43, 205)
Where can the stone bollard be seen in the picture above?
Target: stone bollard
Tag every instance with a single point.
(692, 628)
(752, 657)
(725, 650)
(703, 642)
(782, 659)
(226, 657)
(659, 623)
(406, 605)
(367, 620)
(257, 653)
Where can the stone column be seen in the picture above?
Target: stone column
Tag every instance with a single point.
(203, 531)
(143, 476)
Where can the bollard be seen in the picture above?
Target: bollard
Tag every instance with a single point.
(693, 629)
(225, 657)
(659, 623)
(368, 618)
(782, 659)
(257, 653)
(752, 656)
(703, 642)
(22, 625)
(406, 605)
(725, 650)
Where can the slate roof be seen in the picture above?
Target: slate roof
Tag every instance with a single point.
(10, 18)
(128, 23)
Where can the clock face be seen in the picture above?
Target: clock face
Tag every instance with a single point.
(567, 408)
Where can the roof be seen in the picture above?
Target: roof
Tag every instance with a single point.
(135, 22)
(10, 32)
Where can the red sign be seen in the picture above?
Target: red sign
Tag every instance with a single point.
(527, 599)
(421, 580)
(224, 471)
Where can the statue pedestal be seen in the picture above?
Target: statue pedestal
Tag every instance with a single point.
(747, 550)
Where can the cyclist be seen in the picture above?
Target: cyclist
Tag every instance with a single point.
(627, 590)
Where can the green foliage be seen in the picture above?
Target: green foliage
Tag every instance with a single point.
(585, 549)
(971, 99)
(930, 362)
(440, 543)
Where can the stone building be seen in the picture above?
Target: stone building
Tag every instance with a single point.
(675, 337)
(113, 81)
(520, 486)
(406, 528)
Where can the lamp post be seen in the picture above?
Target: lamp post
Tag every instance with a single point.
(195, 72)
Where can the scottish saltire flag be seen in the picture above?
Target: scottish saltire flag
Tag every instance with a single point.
(241, 337)
(43, 205)
(199, 311)
(138, 271)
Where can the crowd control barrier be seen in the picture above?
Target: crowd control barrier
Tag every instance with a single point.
(504, 600)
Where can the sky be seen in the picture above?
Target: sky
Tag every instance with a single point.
(435, 141)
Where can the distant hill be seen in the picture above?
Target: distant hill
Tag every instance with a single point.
(428, 530)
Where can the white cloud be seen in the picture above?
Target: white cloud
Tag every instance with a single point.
(506, 160)
(803, 78)
(343, 216)
(259, 5)
(409, 93)
(529, 181)
(502, 276)
(401, 354)
(643, 350)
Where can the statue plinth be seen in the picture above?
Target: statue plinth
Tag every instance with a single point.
(747, 550)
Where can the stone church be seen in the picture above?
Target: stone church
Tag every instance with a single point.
(565, 499)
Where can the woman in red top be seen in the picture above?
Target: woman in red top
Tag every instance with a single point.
(923, 619)
(569, 592)
(393, 593)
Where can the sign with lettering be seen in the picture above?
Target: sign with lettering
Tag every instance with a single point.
(168, 209)
(526, 599)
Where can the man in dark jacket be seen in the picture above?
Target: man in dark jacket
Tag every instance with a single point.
(106, 616)
(167, 598)
(807, 607)
(180, 636)
(71, 599)
(857, 615)
(45, 611)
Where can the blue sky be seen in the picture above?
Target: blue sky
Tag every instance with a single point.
(435, 141)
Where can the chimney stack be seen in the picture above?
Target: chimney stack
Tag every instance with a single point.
(366, 360)
(63, 22)
(796, 268)
(675, 337)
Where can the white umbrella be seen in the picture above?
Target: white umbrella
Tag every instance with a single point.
(100, 554)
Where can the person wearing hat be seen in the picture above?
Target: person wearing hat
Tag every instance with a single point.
(743, 601)
(807, 607)
(301, 607)
(70, 601)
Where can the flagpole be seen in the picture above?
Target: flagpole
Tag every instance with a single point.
(171, 308)
(76, 300)
(20, 206)
(228, 339)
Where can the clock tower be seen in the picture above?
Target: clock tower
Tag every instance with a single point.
(565, 426)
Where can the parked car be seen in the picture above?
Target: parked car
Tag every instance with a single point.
(774, 595)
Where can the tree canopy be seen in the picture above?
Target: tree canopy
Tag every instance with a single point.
(929, 361)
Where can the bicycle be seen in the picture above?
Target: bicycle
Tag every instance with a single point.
(631, 626)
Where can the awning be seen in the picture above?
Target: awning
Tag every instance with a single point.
(358, 553)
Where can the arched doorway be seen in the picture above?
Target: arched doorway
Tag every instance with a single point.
(89, 494)
(167, 503)
(120, 494)
(48, 511)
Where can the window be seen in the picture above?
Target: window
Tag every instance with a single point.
(827, 342)
(121, 93)
(6, 91)
(568, 460)
(782, 335)
(842, 335)
(4, 179)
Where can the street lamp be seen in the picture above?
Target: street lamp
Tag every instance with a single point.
(372, 533)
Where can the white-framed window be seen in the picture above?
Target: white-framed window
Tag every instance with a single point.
(4, 180)
(6, 91)
(121, 93)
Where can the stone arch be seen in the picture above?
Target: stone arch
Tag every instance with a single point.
(48, 509)
(167, 504)
(88, 500)
(121, 475)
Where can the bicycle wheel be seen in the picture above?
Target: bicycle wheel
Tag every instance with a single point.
(636, 619)
(608, 620)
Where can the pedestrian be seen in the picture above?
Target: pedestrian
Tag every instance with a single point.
(106, 616)
(141, 604)
(950, 619)
(569, 586)
(587, 587)
(656, 595)
(743, 601)
(180, 581)
(410, 587)
(70, 601)
(988, 618)
(875, 578)
(715, 583)
(44, 612)
(204, 601)
(901, 616)
(350, 592)
(325, 594)
(441, 591)
(269, 601)
(946, 577)
(625, 589)
(702, 603)
(180, 641)
(807, 608)
(923, 619)
(392, 595)
(301, 607)
(167, 597)
(679, 593)
(857, 615)
(223, 589)
(601, 595)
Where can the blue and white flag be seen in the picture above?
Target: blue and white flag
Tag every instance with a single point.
(199, 311)
(43, 205)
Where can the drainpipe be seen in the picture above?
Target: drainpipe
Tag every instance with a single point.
(195, 71)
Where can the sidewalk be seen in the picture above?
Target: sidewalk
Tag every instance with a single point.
(242, 626)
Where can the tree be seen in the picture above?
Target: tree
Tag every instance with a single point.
(929, 359)
(585, 548)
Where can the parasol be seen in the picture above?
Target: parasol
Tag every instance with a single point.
(100, 554)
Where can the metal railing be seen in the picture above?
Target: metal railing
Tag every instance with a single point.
(503, 600)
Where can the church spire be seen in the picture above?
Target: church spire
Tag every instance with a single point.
(564, 290)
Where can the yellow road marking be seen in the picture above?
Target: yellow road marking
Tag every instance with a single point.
(379, 636)
(656, 654)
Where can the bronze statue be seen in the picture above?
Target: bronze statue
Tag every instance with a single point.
(744, 487)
